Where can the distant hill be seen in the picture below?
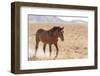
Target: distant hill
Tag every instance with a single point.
(78, 21)
(51, 19)
(45, 19)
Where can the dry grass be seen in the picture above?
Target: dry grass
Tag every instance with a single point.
(74, 45)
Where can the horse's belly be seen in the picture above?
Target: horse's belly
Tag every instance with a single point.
(51, 41)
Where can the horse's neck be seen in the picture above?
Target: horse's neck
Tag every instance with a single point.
(51, 32)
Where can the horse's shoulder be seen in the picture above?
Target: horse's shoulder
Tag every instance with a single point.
(50, 33)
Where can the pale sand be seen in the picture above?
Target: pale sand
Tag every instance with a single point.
(74, 46)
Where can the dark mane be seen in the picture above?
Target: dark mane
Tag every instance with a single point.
(55, 28)
(52, 30)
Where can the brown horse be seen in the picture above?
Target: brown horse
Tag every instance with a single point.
(49, 37)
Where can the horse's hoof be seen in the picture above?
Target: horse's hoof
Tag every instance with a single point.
(34, 56)
(54, 58)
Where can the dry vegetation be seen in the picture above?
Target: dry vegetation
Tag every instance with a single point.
(74, 45)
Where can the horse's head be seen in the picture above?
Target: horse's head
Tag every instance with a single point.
(59, 32)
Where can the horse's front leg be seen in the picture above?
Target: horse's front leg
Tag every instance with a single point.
(44, 48)
(56, 50)
(50, 49)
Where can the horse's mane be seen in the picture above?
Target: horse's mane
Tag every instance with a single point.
(52, 30)
(55, 28)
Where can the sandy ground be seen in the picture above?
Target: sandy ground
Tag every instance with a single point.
(74, 45)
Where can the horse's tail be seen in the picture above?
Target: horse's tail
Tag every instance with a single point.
(37, 37)
(38, 33)
(37, 42)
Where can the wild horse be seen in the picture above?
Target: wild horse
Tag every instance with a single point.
(49, 37)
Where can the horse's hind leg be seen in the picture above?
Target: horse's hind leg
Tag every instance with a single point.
(36, 47)
(56, 50)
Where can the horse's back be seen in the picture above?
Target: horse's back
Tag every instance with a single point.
(40, 31)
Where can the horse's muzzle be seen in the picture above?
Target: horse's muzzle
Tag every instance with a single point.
(62, 39)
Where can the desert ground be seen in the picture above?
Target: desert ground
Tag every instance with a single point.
(74, 46)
